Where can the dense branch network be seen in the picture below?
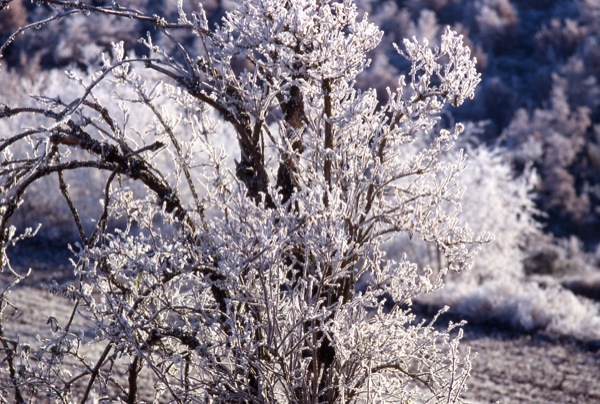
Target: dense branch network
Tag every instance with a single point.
(237, 279)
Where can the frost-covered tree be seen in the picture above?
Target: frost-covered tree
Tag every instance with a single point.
(561, 143)
(235, 278)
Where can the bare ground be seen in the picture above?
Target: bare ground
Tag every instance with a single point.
(517, 368)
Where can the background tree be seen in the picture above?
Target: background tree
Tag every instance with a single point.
(235, 279)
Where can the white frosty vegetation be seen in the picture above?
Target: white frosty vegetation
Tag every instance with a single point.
(498, 289)
(234, 278)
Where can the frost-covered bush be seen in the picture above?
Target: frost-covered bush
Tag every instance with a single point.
(50, 210)
(527, 306)
(495, 23)
(234, 279)
(494, 202)
(560, 142)
(559, 39)
(522, 279)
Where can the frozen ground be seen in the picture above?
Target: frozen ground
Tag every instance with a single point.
(517, 368)
(511, 366)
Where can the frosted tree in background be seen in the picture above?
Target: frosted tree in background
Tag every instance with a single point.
(234, 278)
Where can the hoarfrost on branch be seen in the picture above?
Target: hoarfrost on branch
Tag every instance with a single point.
(254, 271)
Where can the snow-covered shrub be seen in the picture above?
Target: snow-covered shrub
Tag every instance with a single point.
(528, 306)
(559, 39)
(522, 279)
(234, 279)
(495, 23)
(498, 203)
(51, 210)
(495, 203)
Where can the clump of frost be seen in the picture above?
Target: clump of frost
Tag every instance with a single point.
(528, 306)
